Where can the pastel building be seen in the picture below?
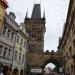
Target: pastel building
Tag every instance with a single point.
(20, 50)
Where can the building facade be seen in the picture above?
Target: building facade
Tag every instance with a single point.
(20, 50)
(67, 42)
(7, 39)
(3, 6)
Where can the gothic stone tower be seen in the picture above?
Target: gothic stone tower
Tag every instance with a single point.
(35, 27)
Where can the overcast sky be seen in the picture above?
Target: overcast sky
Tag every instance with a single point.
(55, 10)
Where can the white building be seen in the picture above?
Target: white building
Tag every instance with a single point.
(7, 39)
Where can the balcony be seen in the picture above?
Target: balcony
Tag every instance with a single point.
(6, 41)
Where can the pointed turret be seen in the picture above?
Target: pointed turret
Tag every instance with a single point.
(36, 11)
(26, 14)
(44, 14)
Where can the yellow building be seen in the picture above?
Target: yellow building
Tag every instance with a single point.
(20, 50)
(3, 6)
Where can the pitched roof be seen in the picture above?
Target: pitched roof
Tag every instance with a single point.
(36, 11)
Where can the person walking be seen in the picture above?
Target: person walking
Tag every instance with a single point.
(6, 70)
(1, 73)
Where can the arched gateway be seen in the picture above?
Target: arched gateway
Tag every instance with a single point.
(37, 61)
(36, 57)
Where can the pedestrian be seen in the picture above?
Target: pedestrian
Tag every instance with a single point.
(1, 73)
(6, 70)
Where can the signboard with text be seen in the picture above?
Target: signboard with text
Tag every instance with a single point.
(36, 70)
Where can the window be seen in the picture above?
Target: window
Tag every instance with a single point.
(12, 36)
(4, 30)
(16, 53)
(8, 34)
(1, 49)
(19, 57)
(32, 34)
(9, 52)
(18, 39)
(23, 58)
(20, 49)
(21, 41)
(24, 44)
(5, 51)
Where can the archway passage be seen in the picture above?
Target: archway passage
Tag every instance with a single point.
(50, 65)
(50, 69)
(40, 60)
(54, 70)
(15, 71)
(21, 72)
(55, 62)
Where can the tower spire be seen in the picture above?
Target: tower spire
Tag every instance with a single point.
(36, 13)
(44, 13)
(27, 13)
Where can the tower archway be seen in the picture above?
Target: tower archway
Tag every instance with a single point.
(55, 62)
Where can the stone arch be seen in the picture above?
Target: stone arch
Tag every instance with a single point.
(21, 72)
(54, 61)
(15, 71)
